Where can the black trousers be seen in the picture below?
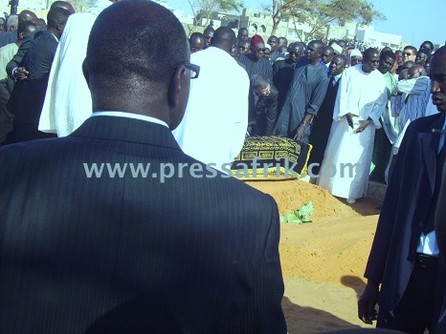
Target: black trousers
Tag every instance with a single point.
(414, 313)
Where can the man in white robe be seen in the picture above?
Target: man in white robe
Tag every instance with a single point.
(214, 125)
(67, 101)
(360, 102)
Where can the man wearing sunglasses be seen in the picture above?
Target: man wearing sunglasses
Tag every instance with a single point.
(254, 61)
(409, 53)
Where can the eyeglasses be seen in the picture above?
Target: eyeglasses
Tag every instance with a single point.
(194, 70)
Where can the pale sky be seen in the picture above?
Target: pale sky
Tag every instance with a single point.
(415, 21)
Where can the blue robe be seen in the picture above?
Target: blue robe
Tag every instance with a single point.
(305, 96)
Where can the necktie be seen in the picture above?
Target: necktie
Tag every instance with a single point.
(437, 212)
(332, 81)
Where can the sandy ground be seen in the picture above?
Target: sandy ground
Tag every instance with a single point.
(323, 262)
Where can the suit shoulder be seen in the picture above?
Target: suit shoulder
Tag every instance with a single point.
(425, 123)
(28, 150)
(249, 191)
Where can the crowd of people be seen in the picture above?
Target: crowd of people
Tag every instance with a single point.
(352, 131)
(121, 83)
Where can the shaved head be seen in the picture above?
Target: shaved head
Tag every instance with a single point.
(224, 38)
(114, 60)
(64, 5)
(27, 15)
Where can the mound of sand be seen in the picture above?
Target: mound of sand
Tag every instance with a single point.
(291, 195)
(323, 262)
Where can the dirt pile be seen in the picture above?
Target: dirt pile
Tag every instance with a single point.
(291, 195)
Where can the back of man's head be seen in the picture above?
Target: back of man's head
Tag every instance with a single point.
(224, 38)
(27, 15)
(133, 51)
(63, 4)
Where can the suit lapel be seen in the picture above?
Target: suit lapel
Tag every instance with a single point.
(128, 130)
(429, 142)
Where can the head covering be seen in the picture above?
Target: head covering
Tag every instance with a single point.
(355, 53)
(267, 46)
(256, 39)
(338, 49)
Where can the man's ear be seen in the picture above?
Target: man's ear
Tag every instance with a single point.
(175, 87)
(177, 96)
(60, 26)
(85, 72)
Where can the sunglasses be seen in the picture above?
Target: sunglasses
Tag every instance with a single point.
(194, 70)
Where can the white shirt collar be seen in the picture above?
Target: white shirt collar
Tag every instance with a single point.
(55, 37)
(130, 115)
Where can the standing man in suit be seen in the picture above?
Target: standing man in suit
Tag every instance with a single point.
(29, 90)
(405, 258)
(322, 124)
(83, 246)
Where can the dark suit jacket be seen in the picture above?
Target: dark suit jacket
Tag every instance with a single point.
(322, 126)
(23, 50)
(263, 114)
(28, 96)
(282, 74)
(405, 207)
(75, 248)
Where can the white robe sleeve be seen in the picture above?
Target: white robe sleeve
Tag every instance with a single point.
(342, 107)
(380, 104)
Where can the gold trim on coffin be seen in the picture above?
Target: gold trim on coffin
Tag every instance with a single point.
(266, 149)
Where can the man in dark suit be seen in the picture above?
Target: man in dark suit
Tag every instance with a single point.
(27, 98)
(322, 124)
(106, 226)
(405, 258)
(262, 107)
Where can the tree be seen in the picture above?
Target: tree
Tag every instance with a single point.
(206, 7)
(319, 13)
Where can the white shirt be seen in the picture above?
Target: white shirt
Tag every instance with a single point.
(130, 115)
(215, 122)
